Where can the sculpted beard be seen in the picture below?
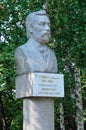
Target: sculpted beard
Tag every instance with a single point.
(46, 36)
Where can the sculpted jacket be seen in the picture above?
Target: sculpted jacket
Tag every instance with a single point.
(29, 59)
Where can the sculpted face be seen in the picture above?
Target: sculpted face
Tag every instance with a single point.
(41, 29)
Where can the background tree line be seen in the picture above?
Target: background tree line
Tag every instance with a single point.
(68, 27)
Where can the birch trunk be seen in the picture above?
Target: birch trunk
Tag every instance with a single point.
(61, 110)
(78, 98)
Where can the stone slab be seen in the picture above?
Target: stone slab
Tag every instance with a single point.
(40, 85)
(48, 85)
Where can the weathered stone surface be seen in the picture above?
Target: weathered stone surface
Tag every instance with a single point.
(39, 85)
(24, 85)
(30, 58)
(38, 114)
(35, 56)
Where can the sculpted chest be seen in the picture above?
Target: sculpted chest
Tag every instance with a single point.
(36, 60)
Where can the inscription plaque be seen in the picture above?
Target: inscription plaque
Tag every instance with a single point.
(48, 85)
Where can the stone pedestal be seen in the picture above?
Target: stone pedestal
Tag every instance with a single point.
(38, 114)
(38, 91)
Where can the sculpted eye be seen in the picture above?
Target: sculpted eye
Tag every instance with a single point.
(42, 23)
(48, 24)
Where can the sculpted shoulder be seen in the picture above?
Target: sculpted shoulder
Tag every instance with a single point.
(21, 64)
(22, 49)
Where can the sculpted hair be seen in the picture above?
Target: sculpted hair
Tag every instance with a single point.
(30, 19)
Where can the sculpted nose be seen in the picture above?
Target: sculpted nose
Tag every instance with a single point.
(47, 28)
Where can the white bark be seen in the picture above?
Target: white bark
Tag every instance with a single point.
(61, 110)
(79, 106)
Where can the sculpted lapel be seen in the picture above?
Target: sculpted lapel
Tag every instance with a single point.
(34, 58)
(29, 59)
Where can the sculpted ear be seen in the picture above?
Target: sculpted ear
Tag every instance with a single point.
(30, 28)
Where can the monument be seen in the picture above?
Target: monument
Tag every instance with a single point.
(37, 81)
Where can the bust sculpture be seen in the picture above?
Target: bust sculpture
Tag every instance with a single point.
(35, 56)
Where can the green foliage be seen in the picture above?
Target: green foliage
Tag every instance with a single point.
(68, 30)
(68, 27)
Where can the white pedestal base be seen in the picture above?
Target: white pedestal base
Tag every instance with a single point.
(38, 114)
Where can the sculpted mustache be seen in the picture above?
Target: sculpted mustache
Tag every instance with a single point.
(46, 34)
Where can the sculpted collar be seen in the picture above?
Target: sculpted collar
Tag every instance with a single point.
(41, 48)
